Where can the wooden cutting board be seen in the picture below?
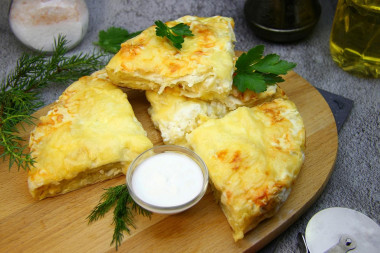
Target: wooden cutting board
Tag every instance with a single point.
(59, 224)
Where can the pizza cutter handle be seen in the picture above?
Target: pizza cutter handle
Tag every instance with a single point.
(345, 244)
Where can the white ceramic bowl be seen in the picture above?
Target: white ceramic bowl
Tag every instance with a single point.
(165, 209)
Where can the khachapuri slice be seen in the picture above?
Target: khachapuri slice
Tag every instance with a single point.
(253, 156)
(202, 68)
(90, 134)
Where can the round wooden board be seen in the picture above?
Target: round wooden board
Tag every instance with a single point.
(59, 224)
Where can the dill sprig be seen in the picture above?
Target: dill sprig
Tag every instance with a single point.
(123, 213)
(19, 93)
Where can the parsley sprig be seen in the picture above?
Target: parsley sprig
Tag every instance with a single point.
(255, 72)
(125, 207)
(111, 39)
(175, 34)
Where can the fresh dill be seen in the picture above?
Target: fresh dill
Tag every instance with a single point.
(19, 93)
(123, 214)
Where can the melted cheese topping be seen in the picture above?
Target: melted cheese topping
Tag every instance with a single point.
(176, 116)
(253, 156)
(91, 125)
(202, 68)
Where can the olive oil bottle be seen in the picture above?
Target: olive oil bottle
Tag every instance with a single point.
(355, 37)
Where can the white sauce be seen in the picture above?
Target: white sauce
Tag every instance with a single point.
(167, 179)
(37, 23)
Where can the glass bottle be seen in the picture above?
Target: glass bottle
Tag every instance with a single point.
(355, 37)
(282, 20)
(37, 23)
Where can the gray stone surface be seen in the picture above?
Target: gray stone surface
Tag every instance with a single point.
(355, 182)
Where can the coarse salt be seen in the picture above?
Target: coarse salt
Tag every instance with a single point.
(37, 23)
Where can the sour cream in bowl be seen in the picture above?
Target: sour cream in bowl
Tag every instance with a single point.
(167, 179)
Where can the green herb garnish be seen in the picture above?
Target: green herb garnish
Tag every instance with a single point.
(122, 214)
(19, 93)
(111, 39)
(255, 72)
(175, 34)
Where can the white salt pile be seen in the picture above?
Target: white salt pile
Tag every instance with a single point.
(36, 23)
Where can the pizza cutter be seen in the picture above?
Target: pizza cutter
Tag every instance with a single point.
(337, 229)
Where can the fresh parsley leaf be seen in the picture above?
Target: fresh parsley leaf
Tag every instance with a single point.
(161, 29)
(255, 72)
(252, 81)
(246, 60)
(175, 34)
(111, 39)
(272, 64)
(182, 30)
(272, 79)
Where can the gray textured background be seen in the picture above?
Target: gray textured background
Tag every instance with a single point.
(355, 181)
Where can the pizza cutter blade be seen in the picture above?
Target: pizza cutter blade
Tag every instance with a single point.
(340, 229)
